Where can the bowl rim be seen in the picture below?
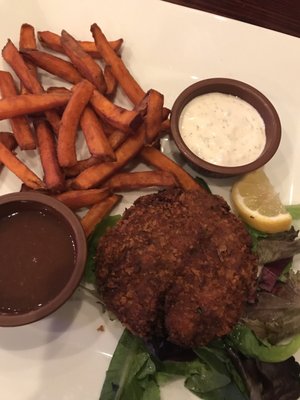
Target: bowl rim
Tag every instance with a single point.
(248, 93)
(79, 238)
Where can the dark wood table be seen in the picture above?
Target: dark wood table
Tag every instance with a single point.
(279, 15)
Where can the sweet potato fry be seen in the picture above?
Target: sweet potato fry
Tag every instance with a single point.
(91, 48)
(142, 106)
(76, 199)
(116, 138)
(165, 126)
(126, 181)
(12, 56)
(66, 149)
(27, 37)
(19, 169)
(95, 137)
(80, 166)
(9, 141)
(27, 41)
(110, 80)
(165, 113)
(93, 176)
(84, 63)
(154, 115)
(23, 104)
(53, 119)
(58, 90)
(20, 125)
(25, 188)
(53, 176)
(97, 212)
(121, 73)
(158, 160)
(51, 41)
(125, 120)
(54, 65)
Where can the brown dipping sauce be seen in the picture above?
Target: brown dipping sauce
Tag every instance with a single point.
(37, 257)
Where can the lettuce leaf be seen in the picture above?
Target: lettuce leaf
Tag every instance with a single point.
(274, 272)
(276, 316)
(134, 373)
(268, 381)
(294, 210)
(256, 236)
(272, 250)
(244, 340)
(131, 372)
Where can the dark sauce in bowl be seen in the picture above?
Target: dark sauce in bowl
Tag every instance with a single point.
(42, 256)
(37, 255)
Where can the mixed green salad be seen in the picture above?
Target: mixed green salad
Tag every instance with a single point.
(254, 362)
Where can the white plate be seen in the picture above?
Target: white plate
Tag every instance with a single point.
(167, 47)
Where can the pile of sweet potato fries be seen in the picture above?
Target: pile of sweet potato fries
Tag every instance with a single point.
(50, 119)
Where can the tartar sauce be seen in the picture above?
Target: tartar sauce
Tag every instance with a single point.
(222, 129)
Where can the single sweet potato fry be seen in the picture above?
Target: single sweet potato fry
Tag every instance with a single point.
(23, 104)
(51, 41)
(53, 175)
(118, 117)
(110, 80)
(121, 73)
(56, 66)
(58, 90)
(165, 126)
(97, 174)
(126, 181)
(154, 115)
(76, 199)
(158, 160)
(27, 41)
(12, 56)
(27, 37)
(53, 119)
(95, 137)
(19, 125)
(84, 63)
(66, 144)
(97, 212)
(80, 166)
(8, 139)
(165, 113)
(19, 169)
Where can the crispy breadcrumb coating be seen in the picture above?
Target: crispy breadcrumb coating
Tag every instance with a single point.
(177, 265)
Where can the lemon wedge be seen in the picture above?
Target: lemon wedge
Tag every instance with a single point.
(257, 203)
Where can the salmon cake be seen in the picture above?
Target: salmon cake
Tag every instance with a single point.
(177, 265)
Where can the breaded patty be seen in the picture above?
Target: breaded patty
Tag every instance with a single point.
(178, 265)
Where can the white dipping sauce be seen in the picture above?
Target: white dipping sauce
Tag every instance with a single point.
(222, 129)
